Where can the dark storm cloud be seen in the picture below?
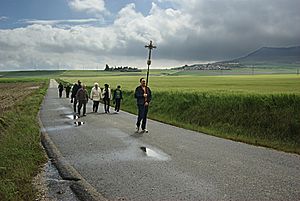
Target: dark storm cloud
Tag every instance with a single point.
(225, 29)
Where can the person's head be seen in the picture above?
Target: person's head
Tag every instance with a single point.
(143, 82)
(118, 86)
(83, 86)
(96, 85)
(106, 86)
(79, 82)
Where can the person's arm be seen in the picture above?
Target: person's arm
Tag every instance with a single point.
(102, 93)
(86, 96)
(73, 92)
(77, 94)
(109, 93)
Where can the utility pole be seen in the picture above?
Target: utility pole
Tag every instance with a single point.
(150, 47)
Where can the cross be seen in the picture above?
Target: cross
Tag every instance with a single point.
(150, 47)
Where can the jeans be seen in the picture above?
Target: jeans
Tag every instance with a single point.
(106, 105)
(118, 103)
(95, 106)
(142, 116)
(74, 104)
(80, 104)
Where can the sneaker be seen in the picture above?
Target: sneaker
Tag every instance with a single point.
(144, 131)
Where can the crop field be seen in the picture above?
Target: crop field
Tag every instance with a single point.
(20, 152)
(260, 84)
(12, 93)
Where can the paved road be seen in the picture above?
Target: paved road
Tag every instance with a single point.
(173, 163)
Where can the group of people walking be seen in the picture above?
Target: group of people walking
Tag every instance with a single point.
(97, 94)
(80, 97)
(61, 88)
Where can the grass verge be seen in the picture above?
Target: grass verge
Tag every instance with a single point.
(266, 120)
(20, 151)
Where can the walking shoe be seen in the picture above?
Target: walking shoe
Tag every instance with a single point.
(144, 131)
(137, 129)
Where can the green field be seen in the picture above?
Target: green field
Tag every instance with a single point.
(261, 84)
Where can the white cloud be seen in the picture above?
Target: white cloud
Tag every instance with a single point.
(188, 32)
(90, 6)
(53, 22)
(3, 18)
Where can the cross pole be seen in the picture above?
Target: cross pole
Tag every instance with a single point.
(150, 47)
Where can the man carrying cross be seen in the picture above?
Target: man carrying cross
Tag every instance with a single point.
(143, 98)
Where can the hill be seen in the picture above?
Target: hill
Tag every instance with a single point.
(268, 55)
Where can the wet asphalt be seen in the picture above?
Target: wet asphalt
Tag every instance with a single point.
(168, 163)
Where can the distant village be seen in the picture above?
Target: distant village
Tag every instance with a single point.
(122, 69)
(210, 66)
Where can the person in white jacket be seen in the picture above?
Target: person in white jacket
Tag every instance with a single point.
(95, 96)
(106, 96)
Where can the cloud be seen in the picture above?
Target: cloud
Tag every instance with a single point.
(90, 6)
(3, 18)
(185, 32)
(69, 21)
(230, 28)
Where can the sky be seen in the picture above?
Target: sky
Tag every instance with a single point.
(88, 34)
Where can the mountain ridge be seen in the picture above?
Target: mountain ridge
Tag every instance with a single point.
(271, 55)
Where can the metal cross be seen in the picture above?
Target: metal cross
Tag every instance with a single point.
(150, 47)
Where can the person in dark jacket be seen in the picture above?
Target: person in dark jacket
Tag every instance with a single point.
(75, 88)
(68, 89)
(143, 98)
(82, 97)
(106, 96)
(118, 96)
(60, 89)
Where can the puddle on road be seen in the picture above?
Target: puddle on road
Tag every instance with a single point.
(70, 116)
(154, 154)
(79, 123)
(133, 149)
(61, 108)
